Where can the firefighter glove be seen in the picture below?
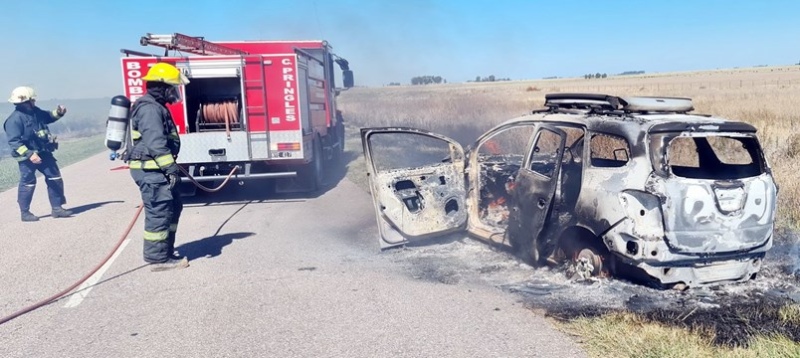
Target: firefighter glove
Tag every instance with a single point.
(173, 180)
(171, 169)
(35, 158)
(61, 110)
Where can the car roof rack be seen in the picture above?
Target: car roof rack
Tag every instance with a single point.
(603, 102)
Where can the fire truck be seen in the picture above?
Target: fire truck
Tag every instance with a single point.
(252, 109)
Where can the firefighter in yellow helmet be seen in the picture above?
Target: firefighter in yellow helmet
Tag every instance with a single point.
(155, 147)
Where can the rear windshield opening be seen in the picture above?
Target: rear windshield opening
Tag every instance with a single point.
(716, 157)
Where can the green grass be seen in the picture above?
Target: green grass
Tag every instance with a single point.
(69, 152)
(623, 335)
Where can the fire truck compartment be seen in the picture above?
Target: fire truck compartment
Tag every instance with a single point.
(214, 105)
(208, 147)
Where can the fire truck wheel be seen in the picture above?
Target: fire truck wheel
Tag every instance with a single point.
(340, 134)
(317, 167)
(311, 176)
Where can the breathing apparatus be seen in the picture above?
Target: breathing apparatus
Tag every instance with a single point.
(117, 125)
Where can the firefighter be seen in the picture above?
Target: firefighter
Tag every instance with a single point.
(32, 145)
(152, 163)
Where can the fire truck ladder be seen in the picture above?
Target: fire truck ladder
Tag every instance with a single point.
(184, 43)
(258, 85)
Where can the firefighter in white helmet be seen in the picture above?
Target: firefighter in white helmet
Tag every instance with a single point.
(152, 164)
(32, 145)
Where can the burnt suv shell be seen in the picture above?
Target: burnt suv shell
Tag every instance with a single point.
(631, 186)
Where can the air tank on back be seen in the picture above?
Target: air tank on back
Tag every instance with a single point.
(117, 124)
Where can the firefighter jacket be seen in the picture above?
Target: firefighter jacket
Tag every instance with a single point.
(28, 133)
(155, 137)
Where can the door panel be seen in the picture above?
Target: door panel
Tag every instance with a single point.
(537, 180)
(417, 183)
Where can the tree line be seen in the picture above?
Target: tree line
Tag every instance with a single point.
(490, 78)
(596, 75)
(429, 79)
(426, 80)
(603, 75)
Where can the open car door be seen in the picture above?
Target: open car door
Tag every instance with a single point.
(417, 183)
(535, 188)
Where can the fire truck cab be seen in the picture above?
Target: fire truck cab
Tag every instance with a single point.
(265, 108)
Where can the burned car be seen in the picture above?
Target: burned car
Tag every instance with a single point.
(625, 186)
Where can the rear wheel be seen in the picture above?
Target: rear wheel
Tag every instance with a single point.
(340, 132)
(316, 167)
(592, 259)
(586, 255)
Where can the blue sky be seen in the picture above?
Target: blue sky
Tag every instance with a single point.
(70, 49)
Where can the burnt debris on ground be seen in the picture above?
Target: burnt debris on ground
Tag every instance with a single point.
(730, 314)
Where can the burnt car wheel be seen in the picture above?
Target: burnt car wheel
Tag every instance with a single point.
(602, 262)
(591, 257)
(586, 254)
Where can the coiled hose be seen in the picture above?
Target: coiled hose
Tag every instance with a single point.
(226, 112)
(127, 231)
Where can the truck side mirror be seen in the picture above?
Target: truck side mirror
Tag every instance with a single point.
(348, 78)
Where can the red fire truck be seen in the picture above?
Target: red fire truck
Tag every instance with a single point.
(266, 108)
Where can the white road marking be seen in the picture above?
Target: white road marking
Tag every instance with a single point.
(86, 287)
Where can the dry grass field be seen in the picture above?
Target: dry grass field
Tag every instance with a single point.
(767, 97)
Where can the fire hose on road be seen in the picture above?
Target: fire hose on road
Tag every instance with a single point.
(110, 254)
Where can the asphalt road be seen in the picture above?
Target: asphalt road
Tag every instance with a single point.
(269, 276)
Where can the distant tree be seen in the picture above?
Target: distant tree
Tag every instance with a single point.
(477, 78)
(604, 75)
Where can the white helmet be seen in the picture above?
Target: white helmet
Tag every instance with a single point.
(22, 94)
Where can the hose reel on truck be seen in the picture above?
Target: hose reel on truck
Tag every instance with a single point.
(118, 136)
(213, 115)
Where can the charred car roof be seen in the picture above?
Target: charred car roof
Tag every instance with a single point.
(622, 114)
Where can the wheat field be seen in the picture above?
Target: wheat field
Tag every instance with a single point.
(766, 97)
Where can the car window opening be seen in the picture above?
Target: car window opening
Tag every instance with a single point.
(499, 160)
(501, 157)
(714, 157)
(609, 151)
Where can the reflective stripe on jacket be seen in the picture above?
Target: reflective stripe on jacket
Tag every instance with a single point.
(154, 135)
(27, 131)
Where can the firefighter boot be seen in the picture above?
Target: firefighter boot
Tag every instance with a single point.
(59, 212)
(174, 255)
(170, 264)
(28, 216)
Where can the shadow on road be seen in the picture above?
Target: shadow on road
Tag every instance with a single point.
(210, 246)
(84, 208)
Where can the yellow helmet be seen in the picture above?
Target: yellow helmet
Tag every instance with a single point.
(164, 72)
(22, 94)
